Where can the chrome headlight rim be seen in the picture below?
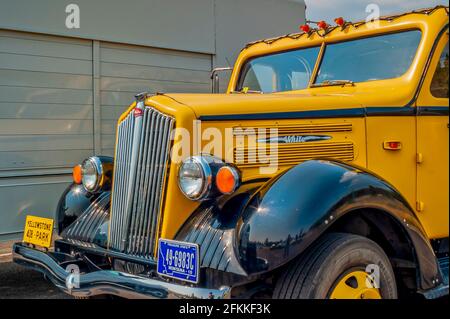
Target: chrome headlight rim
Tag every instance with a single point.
(206, 171)
(97, 164)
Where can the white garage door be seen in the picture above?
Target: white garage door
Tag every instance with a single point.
(58, 96)
(45, 102)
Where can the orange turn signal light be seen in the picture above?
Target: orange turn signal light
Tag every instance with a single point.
(77, 175)
(227, 179)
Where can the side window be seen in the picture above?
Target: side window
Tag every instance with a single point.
(439, 84)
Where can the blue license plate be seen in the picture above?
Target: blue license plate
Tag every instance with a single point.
(178, 260)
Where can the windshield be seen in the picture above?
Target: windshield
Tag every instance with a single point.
(380, 57)
(283, 71)
(376, 58)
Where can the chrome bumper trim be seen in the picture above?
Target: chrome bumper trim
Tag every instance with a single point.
(109, 282)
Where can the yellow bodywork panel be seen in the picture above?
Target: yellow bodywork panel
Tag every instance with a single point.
(398, 167)
(432, 157)
(346, 143)
(432, 175)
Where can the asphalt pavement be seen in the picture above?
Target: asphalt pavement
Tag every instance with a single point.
(17, 282)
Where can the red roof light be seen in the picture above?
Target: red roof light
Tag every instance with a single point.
(305, 28)
(322, 25)
(339, 21)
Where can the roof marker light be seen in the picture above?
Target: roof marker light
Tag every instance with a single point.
(305, 28)
(322, 25)
(339, 21)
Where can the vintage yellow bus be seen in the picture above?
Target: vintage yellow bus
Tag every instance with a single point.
(321, 172)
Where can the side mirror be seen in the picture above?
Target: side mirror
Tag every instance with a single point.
(215, 78)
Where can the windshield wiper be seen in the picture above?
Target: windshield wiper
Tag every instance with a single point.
(248, 92)
(334, 83)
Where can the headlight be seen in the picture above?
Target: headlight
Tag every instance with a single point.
(194, 177)
(203, 177)
(92, 172)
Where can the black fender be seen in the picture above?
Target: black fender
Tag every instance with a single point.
(72, 203)
(212, 226)
(267, 223)
(293, 209)
(84, 216)
(76, 199)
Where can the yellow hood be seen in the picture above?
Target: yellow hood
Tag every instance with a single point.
(229, 104)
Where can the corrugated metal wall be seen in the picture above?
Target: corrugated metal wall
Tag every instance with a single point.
(126, 70)
(45, 102)
(59, 102)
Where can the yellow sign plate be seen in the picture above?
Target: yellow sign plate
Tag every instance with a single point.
(38, 231)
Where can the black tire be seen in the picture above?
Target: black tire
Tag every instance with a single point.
(315, 273)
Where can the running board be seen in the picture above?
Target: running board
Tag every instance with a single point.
(441, 290)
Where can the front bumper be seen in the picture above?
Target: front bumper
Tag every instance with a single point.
(108, 282)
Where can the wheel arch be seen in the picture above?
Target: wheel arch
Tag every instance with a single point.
(385, 230)
(288, 213)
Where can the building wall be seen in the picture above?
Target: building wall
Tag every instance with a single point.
(171, 24)
(62, 90)
(126, 70)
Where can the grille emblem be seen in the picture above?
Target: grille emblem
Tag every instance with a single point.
(294, 139)
(138, 112)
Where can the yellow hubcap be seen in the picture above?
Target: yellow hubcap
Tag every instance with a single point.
(355, 285)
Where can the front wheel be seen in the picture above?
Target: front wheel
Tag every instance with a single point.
(339, 266)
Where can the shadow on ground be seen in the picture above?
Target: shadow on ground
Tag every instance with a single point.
(17, 282)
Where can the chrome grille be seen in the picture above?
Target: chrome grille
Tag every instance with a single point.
(141, 162)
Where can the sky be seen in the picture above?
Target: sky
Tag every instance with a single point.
(354, 10)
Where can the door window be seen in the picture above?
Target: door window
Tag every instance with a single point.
(439, 84)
